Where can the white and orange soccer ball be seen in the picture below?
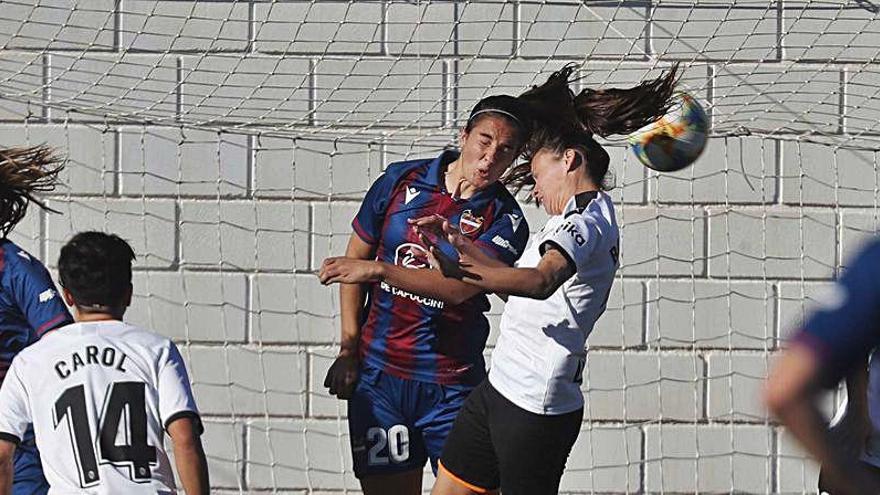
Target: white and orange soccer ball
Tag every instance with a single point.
(675, 140)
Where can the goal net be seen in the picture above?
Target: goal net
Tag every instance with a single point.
(231, 141)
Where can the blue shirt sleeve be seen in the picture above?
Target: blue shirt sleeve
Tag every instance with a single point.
(506, 238)
(847, 324)
(30, 286)
(368, 221)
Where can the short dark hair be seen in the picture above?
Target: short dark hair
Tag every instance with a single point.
(96, 268)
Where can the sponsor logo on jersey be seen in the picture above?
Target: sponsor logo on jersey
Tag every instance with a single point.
(24, 255)
(411, 193)
(47, 295)
(504, 243)
(515, 220)
(571, 230)
(409, 255)
(424, 301)
(469, 223)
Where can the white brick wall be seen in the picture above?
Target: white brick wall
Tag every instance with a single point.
(230, 142)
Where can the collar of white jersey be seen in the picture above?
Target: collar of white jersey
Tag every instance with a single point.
(579, 202)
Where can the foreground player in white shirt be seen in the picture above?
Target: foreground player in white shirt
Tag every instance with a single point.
(516, 429)
(101, 393)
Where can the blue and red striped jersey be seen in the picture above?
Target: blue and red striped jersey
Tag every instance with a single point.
(417, 337)
(30, 305)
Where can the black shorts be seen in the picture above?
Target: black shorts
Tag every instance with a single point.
(496, 444)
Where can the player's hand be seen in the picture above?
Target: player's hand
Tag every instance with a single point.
(438, 225)
(341, 270)
(342, 377)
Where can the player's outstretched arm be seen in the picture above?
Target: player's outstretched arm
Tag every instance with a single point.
(790, 394)
(536, 283)
(192, 466)
(7, 451)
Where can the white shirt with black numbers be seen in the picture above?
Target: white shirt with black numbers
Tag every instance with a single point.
(99, 395)
(539, 359)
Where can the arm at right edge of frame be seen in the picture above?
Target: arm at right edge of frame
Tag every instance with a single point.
(189, 456)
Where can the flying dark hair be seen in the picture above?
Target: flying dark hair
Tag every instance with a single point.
(23, 172)
(564, 120)
(96, 268)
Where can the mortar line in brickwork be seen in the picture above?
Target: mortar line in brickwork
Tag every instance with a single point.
(117, 26)
(252, 28)
(178, 89)
(704, 383)
(711, 73)
(516, 43)
(313, 90)
(649, 31)
(707, 248)
(45, 112)
(643, 454)
(780, 30)
(245, 454)
(44, 235)
(249, 309)
(178, 240)
(777, 314)
(251, 171)
(383, 30)
(775, 459)
(117, 163)
(842, 101)
(778, 182)
(307, 383)
(646, 313)
(310, 221)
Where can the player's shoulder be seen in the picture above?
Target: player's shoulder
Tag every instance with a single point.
(144, 336)
(591, 207)
(13, 256)
(870, 253)
(398, 170)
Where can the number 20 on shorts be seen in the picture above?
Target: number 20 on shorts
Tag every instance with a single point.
(396, 439)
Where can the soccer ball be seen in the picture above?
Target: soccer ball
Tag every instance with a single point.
(675, 140)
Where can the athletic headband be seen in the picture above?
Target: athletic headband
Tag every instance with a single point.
(496, 110)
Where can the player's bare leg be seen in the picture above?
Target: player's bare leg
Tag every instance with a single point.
(406, 483)
(447, 485)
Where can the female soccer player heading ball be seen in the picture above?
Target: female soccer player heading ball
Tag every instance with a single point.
(516, 429)
(409, 357)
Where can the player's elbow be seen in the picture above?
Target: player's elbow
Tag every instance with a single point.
(542, 287)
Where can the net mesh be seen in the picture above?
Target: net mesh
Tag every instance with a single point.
(230, 143)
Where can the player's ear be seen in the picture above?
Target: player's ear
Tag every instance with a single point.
(68, 297)
(574, 158)
(462, 136)
(128, 294)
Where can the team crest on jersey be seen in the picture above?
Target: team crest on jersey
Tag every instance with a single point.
(469, 223)
(410, 255)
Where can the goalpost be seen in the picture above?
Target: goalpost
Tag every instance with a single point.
(231, 141)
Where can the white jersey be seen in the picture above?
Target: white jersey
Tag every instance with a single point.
(99, 395)
(539, 359)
